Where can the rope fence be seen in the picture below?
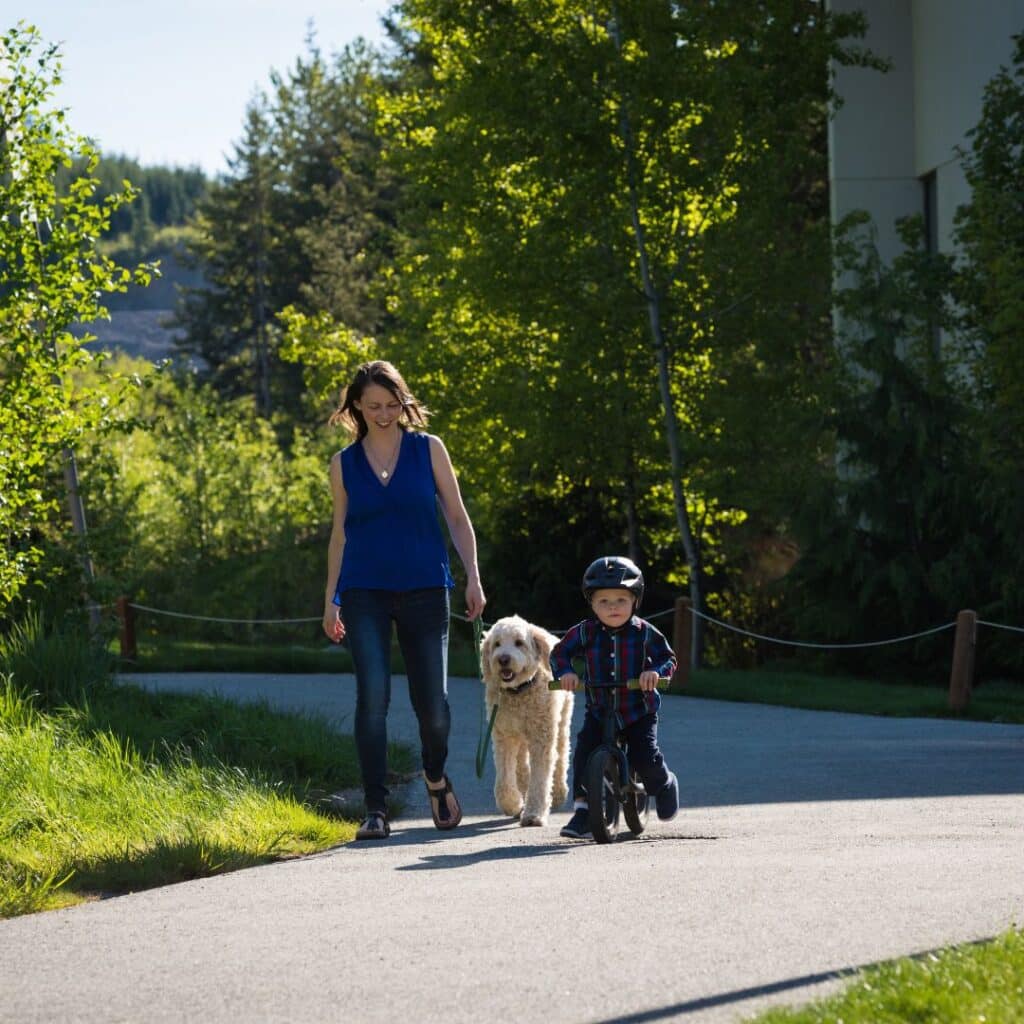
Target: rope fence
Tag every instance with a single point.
(684, 622)
(1000, 625)
(824, 647)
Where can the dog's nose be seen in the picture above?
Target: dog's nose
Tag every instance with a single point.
(503, 659)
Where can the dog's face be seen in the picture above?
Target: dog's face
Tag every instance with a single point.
(513, 651)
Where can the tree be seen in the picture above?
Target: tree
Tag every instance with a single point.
(990, 232)
(228, 319)
(301, 222)
(893, 538)
(52, 278)
(577, 169)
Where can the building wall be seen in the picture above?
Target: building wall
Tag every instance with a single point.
(895, 128)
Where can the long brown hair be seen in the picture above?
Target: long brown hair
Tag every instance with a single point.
(380, 372)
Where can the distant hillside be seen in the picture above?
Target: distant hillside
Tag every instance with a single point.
(153, 228)
(139, 318)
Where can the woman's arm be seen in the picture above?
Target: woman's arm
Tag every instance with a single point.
(334, 627)
(459, 526)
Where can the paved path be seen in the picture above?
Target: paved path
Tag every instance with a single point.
(810, 844)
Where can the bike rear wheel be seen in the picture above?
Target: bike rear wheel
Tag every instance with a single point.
(603, 794)
(635, 808)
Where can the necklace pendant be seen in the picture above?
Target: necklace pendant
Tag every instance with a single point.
(384, 474)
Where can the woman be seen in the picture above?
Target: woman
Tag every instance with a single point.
(387, 562)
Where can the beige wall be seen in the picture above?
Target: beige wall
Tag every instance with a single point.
(893, 128)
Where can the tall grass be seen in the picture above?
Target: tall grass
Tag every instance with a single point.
(57, 664)
(84, 813)
(107, 789)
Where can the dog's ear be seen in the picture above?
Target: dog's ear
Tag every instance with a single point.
(543, 641)
(485, 662)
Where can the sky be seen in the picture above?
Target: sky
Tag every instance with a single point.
(169, 83)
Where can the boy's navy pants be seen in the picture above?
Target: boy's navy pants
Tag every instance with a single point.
(641, 748)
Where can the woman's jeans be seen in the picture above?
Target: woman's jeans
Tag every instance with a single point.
(421, 618)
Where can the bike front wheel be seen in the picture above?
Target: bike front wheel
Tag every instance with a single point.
(603, 794)
(636, 806)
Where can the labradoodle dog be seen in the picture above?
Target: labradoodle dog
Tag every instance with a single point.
(532, 724)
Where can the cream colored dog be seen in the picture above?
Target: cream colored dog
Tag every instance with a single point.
(532, 724)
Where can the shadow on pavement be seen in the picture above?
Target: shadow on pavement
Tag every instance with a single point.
(739, 995)
(465, 860)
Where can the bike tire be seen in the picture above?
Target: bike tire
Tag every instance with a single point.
(635, 809)
(603, 794)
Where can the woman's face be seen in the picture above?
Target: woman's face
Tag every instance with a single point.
(379, 407)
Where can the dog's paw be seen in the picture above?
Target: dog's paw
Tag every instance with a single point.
(532, 820)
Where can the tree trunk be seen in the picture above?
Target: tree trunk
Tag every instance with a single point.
(632, 526)
(260, 306)
(77, 511)
(690, 546)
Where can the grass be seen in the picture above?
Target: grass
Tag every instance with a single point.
(130, 790)
(208, 656)
(998, 701)
(162, 655)
(995, 701)
(961, 985)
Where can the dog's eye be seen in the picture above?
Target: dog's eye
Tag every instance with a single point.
(519, 643)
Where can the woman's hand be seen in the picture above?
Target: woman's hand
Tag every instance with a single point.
(570, 681)
(333, 626)
(475, 600)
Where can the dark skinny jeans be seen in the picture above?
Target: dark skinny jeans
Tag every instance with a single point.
(421, 619)
(641, 748)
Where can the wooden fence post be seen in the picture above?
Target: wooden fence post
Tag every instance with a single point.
(961, 676)
(682, 640)
(126, 613)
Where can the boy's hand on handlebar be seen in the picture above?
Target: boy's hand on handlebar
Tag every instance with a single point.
(570, 681)
(648, 680)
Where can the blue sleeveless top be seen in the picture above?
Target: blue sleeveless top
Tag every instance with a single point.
(393, 538)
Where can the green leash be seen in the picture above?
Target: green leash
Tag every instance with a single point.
(485, 730)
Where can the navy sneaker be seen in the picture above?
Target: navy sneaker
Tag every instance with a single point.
(667, 799)
(578, 826)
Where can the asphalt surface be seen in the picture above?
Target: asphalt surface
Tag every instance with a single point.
(809, 844)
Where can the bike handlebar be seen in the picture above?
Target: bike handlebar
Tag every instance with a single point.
(631, 684)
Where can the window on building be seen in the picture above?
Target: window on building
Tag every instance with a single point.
(931, 211)
(931, 240)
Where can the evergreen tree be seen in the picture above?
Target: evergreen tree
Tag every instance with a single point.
(307, 197)
(228, 321)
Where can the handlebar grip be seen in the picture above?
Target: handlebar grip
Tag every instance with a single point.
(664, 682)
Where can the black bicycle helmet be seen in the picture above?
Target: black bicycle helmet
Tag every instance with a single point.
(613, 572)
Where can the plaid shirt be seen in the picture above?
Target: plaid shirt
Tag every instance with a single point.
(613, 656)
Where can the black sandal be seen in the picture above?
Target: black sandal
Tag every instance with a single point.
(439, 810)
(375, 826)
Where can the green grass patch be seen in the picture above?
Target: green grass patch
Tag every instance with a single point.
(217, 656)
(999, 701)
(960, 985)
(131, 790)
(162, 655)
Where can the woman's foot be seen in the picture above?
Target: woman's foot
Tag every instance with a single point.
(444, 804)
(375, 826)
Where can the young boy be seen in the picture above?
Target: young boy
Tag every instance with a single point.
(617, 645)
